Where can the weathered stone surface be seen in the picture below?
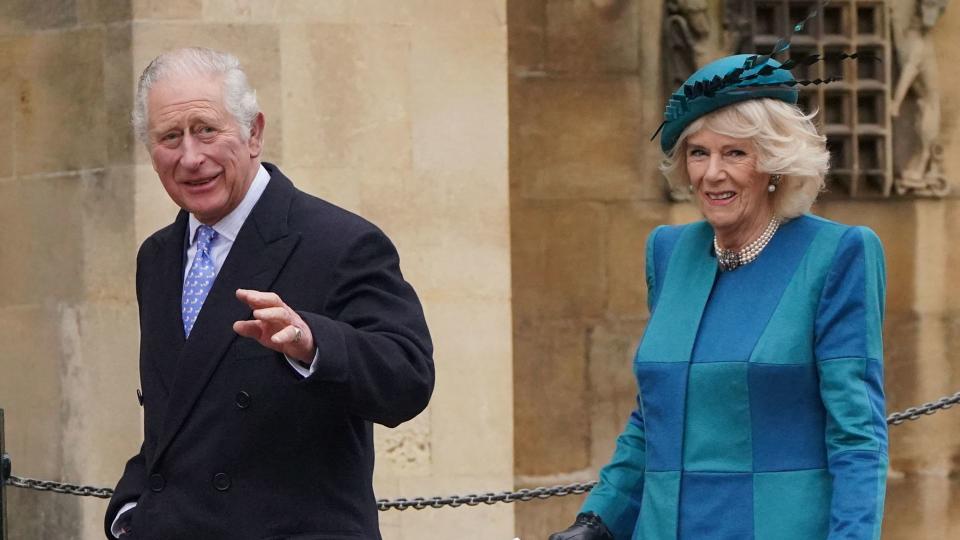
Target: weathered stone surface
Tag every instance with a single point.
(902, 388)
(405, 449)
(35, 514)
(245, 10)
(580, 38)
(476, 523)
(103, 11)
(153, 208)
(119, 79)
(470, 417)
(99, 352)
(31, 388)
(576, 139)
(629, 226)
(951, 231)
(470, 248)
(558, 260)
(551, 397)
(922, 506)
(457, 115)
(538, 519)
(166, 9)
(107, 206)
(900, 360)
(8, 105)
(346, 95)
(365, 12)
(31, 398)
(60, 114)
(443, 12)
(526, 26)
(18, 16)
(948, 57)
(42, 240)
(468, 255)
(340, 186)
(613, 389)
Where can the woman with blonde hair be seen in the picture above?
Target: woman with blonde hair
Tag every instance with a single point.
(760, 412)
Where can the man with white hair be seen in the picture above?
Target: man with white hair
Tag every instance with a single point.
(275, 329)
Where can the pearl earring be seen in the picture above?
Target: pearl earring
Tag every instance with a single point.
(774, 182)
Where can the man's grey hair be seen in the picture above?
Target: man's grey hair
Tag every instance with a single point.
(239, 98)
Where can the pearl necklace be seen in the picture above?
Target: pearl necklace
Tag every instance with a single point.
(729, 259)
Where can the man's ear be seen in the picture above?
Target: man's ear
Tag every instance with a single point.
(255, 143)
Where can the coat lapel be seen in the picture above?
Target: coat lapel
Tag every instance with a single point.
(259, 253)
(165, 293)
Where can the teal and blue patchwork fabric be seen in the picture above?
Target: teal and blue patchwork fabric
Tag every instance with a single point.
(760, 412)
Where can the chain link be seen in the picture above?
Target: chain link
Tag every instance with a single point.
(454, 501)
(914, 413)
(57, 487)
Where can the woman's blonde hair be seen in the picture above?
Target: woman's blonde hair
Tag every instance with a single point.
(785, 139)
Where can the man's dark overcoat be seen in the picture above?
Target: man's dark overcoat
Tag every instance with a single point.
(237, 445)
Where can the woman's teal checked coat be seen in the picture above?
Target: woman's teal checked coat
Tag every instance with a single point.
(760, 412)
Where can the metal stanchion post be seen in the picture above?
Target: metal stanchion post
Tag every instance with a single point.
(4, 474)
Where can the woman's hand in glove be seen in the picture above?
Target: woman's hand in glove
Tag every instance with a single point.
(588, 526)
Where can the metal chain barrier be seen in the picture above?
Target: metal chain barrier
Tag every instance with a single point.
(57, 487)
(914, 413)
(454, 501)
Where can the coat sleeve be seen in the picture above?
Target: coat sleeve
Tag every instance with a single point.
(617, 496)
(129, 488)
(374, 348)
(849, 355)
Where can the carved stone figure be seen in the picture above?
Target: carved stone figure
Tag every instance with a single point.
(911, 21)
(737, 26)
(688, 35)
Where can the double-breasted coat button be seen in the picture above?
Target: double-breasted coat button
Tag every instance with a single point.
(221, 481)
(243, 399)
(156, 482)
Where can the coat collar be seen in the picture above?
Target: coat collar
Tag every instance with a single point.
(260, 252)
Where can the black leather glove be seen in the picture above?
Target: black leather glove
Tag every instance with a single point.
(588, 526)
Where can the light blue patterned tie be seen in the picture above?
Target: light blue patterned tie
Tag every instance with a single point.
(200, 278)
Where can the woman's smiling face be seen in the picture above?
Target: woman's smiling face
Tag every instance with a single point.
(728, 188)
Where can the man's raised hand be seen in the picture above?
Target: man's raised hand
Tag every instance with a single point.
(276, 326)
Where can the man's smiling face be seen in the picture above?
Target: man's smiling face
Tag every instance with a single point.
(204, 160)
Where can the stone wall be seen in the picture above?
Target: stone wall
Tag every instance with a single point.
(68, 357)
(395, 110)
(585, 95)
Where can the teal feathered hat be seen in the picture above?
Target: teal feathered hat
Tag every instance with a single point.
(724, 82)
(738, 78)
